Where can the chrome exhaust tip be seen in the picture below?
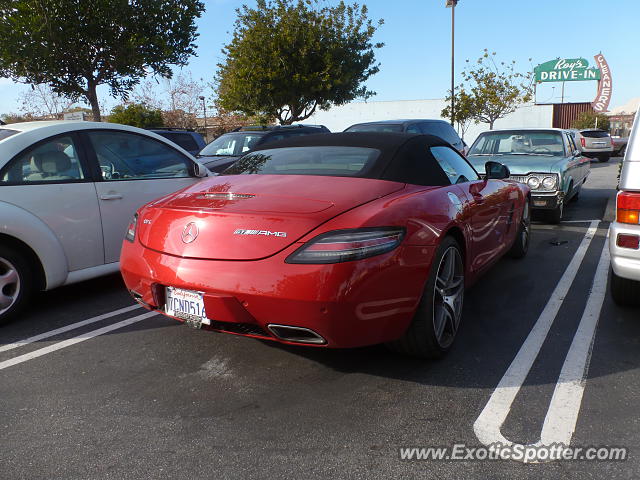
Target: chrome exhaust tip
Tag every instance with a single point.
(296, 334)
(138, 298)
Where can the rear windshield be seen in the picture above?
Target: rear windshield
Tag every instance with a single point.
(231, 144)
(185, 140)
(6, 133)
(328, 161)
(519, 143)
(594, 134)
(375, 127)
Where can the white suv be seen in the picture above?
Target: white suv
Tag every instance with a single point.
(624, 233)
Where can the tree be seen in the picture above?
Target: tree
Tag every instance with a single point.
(136, 115)
(495, 90)
(465, 110)
(41, 101)
(591, 120)
(288, 58)
(16, 118)
(178, 98)
(75, 46)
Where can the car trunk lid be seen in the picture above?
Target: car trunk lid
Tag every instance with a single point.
(248, 217)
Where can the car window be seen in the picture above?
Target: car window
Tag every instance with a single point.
(571, 143)
(129, 156)
(442, 130)
(282, 136)
(232, 144)
(55, 160)
(594, 133)
(6, 133)
(184, 140)
(375, 127)
(454, 165)
(328, 161)
(414, 128)
(519, 143)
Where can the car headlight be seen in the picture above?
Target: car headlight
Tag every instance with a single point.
(533, 182)
(549, 182)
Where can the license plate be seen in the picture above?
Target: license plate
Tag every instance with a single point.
(186, 305)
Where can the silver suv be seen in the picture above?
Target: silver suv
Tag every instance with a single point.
(624, 233)
(594, 143)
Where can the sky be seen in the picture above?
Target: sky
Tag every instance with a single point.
(415, 61)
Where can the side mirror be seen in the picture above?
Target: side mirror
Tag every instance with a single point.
(199, 170)
(496, 171)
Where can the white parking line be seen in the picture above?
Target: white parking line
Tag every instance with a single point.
(66, 328)
(72, 341)
(560, 422)
(579, 221)
(488, 424)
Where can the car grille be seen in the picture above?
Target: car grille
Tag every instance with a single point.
(240, 328)
(519, 178)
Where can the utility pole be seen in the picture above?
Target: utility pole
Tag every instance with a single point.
(204, 110)
(452, 4)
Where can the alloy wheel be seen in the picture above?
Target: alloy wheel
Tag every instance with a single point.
(9, 285)
(526, 225)
(448, 296)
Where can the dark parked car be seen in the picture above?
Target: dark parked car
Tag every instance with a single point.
(439, 128)
(191, 141)
(227, 148)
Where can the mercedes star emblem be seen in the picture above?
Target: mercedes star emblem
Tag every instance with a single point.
(190, 232)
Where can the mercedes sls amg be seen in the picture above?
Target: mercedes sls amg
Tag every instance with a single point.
(335, 240)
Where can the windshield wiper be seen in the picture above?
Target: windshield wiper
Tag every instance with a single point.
(536, 154)
(487, 154)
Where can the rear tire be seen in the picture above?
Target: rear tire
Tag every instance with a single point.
(624, 291)
(604, 159)
(520, 245)
(16, 283)
(437, 318)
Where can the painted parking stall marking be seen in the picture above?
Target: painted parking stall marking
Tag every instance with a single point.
(562, 415)
(74, 340)
(66, 328)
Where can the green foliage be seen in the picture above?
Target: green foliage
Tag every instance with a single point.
(74, 46)
(15, 118)
(588, 120)
(289, 57)
(493, 90)
(136, 115)
(465, 109)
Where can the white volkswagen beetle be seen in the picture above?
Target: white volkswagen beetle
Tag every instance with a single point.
(67, 193)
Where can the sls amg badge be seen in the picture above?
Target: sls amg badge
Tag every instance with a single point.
(266, 233)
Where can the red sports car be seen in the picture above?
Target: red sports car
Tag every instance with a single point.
(334, 240)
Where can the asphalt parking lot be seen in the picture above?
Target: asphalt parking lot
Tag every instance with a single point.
(132, 394)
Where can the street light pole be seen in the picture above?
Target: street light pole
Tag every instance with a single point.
(452, 4)
(204, 110)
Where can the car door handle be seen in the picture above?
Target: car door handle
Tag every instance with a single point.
(111, 196)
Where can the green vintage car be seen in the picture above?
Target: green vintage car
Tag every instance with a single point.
(546, 159)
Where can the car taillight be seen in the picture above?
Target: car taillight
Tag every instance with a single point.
(628, 241)
(583, 142)
(131, 229)
(347, 245)
(628, 204)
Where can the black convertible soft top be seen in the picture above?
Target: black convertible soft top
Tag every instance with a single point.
(404, 157)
